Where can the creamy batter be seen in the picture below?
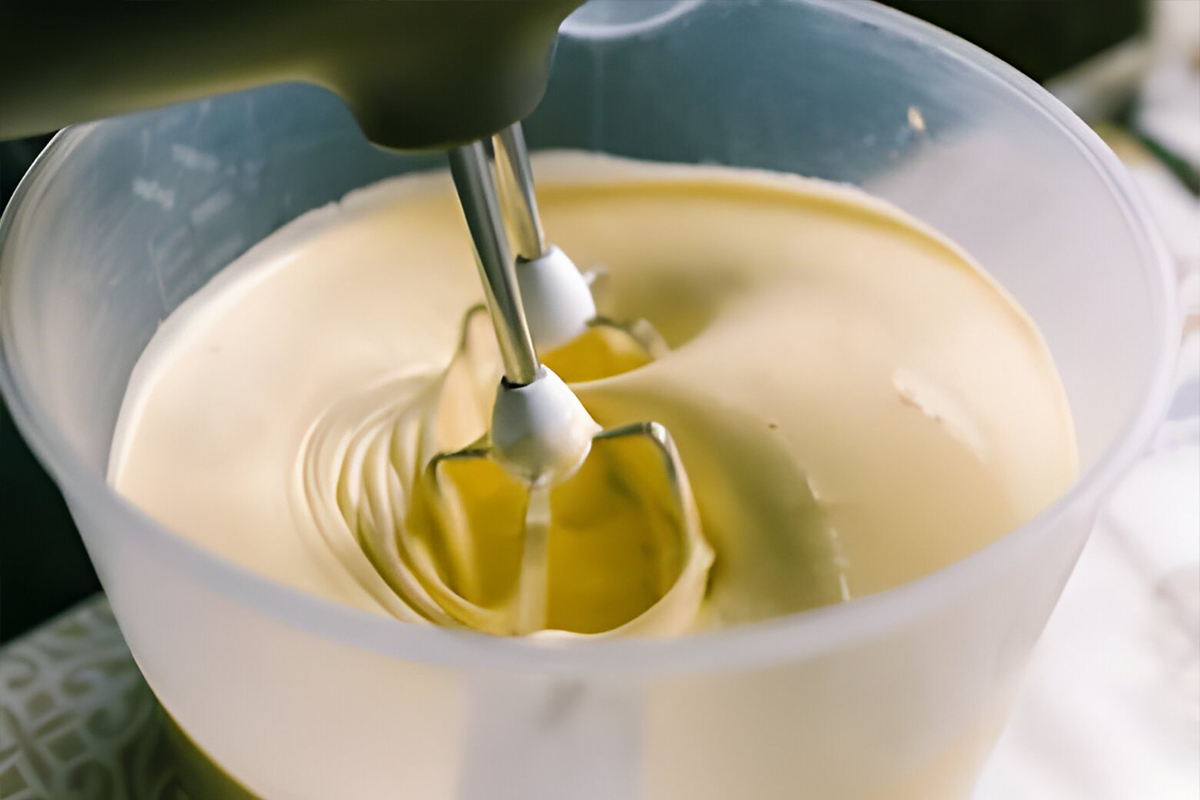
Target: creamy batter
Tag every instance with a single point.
(856, 403)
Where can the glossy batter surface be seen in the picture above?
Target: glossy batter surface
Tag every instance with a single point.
(856, 403)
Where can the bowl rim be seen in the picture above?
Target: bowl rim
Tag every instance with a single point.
(790, 637)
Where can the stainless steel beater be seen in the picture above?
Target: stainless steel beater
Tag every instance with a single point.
(557, 296)
(541, 435)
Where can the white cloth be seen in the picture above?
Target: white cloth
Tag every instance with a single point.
(1111, 707)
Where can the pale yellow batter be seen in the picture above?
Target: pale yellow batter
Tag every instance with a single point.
(855, 402)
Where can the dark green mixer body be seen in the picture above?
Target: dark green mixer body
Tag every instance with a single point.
(416, 73)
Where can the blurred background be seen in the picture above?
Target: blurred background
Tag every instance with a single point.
(1131, 68)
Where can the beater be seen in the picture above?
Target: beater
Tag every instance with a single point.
(556, 296)
(572, 492)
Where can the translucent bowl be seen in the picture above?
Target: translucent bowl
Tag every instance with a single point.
(897, 695)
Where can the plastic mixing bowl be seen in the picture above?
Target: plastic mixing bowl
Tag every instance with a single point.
(896, 695)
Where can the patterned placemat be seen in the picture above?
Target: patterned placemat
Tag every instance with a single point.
(77, 722)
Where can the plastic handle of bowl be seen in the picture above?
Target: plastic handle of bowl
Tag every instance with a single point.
(1182, 423)
(544, 737)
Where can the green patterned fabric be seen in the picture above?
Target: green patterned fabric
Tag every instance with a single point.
(77, 722)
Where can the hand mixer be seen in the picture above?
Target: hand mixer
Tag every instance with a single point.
(423, 74)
